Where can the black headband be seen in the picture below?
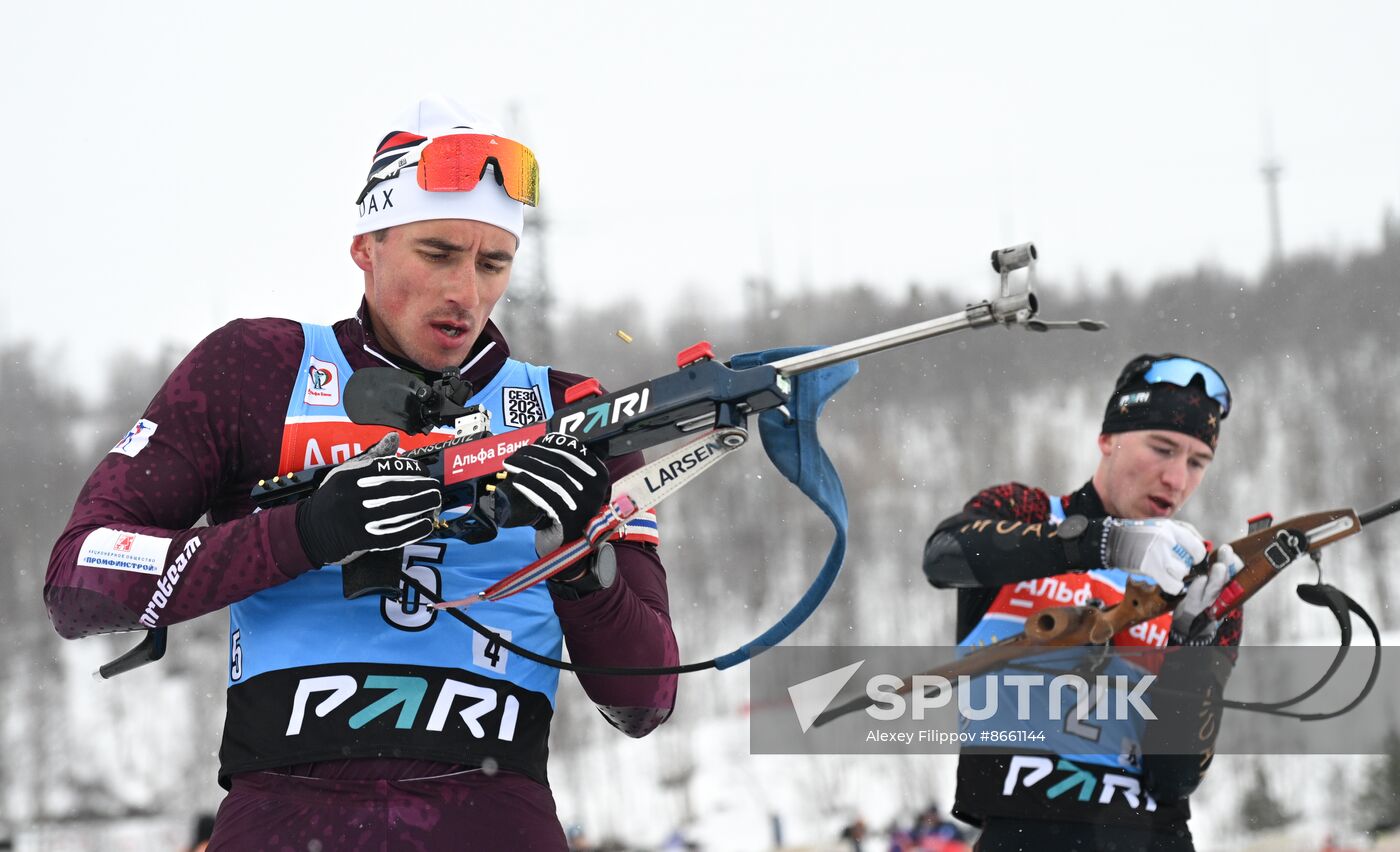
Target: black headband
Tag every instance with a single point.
(1164, 406)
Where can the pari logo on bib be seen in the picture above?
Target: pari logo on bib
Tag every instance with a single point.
(322, 383)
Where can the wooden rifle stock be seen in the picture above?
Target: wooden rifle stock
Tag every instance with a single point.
(1268, 551)
(1264, 553)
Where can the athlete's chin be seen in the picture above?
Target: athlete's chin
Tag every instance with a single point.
(442, 355)
(441, 363)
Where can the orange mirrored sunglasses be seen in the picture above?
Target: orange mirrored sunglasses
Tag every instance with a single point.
(456, 163)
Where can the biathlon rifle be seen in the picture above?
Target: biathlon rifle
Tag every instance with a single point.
(704, 400)
(1266, 549)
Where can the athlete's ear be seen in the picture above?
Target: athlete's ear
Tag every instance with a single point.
(1107, 443)
(359, 251)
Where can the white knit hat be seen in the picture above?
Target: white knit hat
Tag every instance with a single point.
(399, 200)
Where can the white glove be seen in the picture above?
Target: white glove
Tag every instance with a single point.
(1163, 551)
(1201, 593)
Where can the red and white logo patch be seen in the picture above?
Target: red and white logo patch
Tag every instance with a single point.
(123, 551)
(485, 455)
(322, 383)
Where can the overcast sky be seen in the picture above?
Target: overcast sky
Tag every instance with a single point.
(170, 166)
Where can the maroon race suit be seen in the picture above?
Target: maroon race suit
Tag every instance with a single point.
(212, 431)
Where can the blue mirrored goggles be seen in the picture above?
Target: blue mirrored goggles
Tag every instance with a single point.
(1181, 371)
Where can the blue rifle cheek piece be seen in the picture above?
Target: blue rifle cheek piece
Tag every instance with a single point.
(795, 451)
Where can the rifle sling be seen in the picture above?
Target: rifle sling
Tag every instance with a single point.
(1342, 606)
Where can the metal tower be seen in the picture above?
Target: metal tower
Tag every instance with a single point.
(1271, 171)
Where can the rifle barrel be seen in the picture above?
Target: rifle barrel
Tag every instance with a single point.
(1003, 310)
(1379, 512)
(828, 355)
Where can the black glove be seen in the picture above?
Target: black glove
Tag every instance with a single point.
(554, 485)
(371, 502)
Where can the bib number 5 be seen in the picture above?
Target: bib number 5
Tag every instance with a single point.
(410, 612)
